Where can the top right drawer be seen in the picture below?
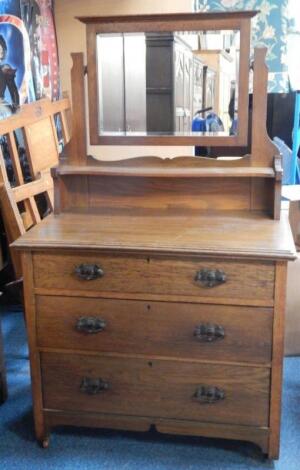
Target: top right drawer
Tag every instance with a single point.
(232, 280)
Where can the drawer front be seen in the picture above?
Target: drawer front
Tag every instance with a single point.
(155, 275)
(156, 388)
(200, 331)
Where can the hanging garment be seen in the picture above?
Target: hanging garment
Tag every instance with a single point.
(212, 123)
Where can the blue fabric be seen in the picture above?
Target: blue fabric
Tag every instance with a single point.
(269, 29)
(214, 123)
(96, 449)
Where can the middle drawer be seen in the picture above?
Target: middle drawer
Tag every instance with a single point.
(196, 331)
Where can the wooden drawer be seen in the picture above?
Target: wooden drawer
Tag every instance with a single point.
(156, 275)
(158, 388)
(158, 328)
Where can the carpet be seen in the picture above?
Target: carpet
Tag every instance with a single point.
(93, 449)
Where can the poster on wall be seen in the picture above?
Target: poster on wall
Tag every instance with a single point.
(39, 22)
(15, 71)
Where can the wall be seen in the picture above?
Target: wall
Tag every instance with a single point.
(71, 38)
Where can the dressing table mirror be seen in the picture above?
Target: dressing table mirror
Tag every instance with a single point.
(151, 84)
(155, 294)
(151, 78)
(157, 83)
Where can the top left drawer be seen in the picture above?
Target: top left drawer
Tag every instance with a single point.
(155, 275)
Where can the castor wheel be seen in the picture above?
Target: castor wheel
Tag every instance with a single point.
(45, 443)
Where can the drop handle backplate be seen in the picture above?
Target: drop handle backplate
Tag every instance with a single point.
(90, 325)
(209, 394)
(210, 277)
(93, 386)
(208, 332)
(88, 272)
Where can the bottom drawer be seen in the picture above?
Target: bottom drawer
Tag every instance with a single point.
(156, 388)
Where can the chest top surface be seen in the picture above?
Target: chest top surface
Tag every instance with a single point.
(241, 235)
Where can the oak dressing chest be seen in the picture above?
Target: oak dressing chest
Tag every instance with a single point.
(155, 293)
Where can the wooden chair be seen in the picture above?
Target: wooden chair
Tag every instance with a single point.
(35, 127)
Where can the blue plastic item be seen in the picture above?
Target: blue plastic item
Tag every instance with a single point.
(198, 124)
(287, 160)
(296, 142)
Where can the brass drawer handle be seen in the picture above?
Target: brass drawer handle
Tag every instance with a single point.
(207, 332)
(88, 272)
(90, 325)
(210, 277)
(209, 395)
(93, 386)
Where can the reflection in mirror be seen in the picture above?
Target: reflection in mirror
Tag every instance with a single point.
(181, 83)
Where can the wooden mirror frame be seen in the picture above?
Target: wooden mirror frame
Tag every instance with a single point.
(171, 22)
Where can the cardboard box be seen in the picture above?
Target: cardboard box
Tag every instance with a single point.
(291, 203)
(292, 323)
(292, 195)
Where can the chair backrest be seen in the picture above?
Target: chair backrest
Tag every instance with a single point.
(35, 124)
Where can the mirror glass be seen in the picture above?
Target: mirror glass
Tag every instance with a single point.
(168, 83)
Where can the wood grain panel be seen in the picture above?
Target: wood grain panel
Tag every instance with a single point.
(258, 435)
(151, 387)
(262, 194)
(162, 193)
(277, 359)
(77, 149)
(41, 144)
(157, 328)
(155, 275)
(225, 235)
(41, 430)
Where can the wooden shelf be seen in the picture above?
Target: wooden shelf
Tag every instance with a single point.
(212, 172)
